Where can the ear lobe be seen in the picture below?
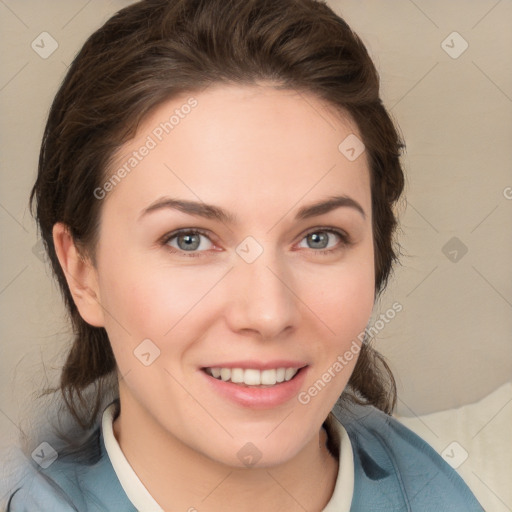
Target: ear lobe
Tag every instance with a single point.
(80, 274)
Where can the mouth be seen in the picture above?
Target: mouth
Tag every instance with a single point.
(253, 377)
(251, 385)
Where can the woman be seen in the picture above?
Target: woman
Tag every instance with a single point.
(215, 192)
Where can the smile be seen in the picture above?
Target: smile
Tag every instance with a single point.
(253, 376)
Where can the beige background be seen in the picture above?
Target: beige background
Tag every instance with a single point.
(451, 344)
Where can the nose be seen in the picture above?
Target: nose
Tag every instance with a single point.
(262, 298)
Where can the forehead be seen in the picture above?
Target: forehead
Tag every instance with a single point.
(244, 146)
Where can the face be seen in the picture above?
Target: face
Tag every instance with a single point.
(213, 266)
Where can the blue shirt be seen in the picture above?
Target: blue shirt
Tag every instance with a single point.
(394, 471)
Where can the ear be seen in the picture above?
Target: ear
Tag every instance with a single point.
(81, 276)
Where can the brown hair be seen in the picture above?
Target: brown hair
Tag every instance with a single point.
(156, 49)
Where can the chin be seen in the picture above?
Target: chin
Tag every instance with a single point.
(258, 452)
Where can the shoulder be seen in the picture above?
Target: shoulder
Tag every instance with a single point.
(82, 480)
(392, 461)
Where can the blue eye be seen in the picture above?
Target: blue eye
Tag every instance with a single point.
(188, 241)
(319, 238)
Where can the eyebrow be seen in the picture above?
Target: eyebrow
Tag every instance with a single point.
(213, 212)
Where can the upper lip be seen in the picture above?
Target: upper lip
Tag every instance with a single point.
(258, 365)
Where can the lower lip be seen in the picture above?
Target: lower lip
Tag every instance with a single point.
(255, 397)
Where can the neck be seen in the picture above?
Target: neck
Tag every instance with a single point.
(181, 478)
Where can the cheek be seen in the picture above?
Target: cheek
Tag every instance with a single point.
(154, 301)
(343, 296)
(344, 305)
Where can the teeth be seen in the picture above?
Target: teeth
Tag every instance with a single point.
(289, 373)
(252, 376)
(268, 377)
(237, 375)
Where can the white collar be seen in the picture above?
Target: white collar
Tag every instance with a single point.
(132, 486)
(142, 500)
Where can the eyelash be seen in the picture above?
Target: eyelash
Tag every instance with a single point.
(345, 241)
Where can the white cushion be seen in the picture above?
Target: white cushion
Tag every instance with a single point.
(476, 439)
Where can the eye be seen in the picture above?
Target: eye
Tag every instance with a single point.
(320, 238)
(188, 241)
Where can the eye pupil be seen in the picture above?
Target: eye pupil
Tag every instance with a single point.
(322, 239)
(192, 242)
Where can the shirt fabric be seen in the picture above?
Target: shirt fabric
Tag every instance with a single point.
(392, 470)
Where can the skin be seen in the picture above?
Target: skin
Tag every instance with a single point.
(259, 153)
